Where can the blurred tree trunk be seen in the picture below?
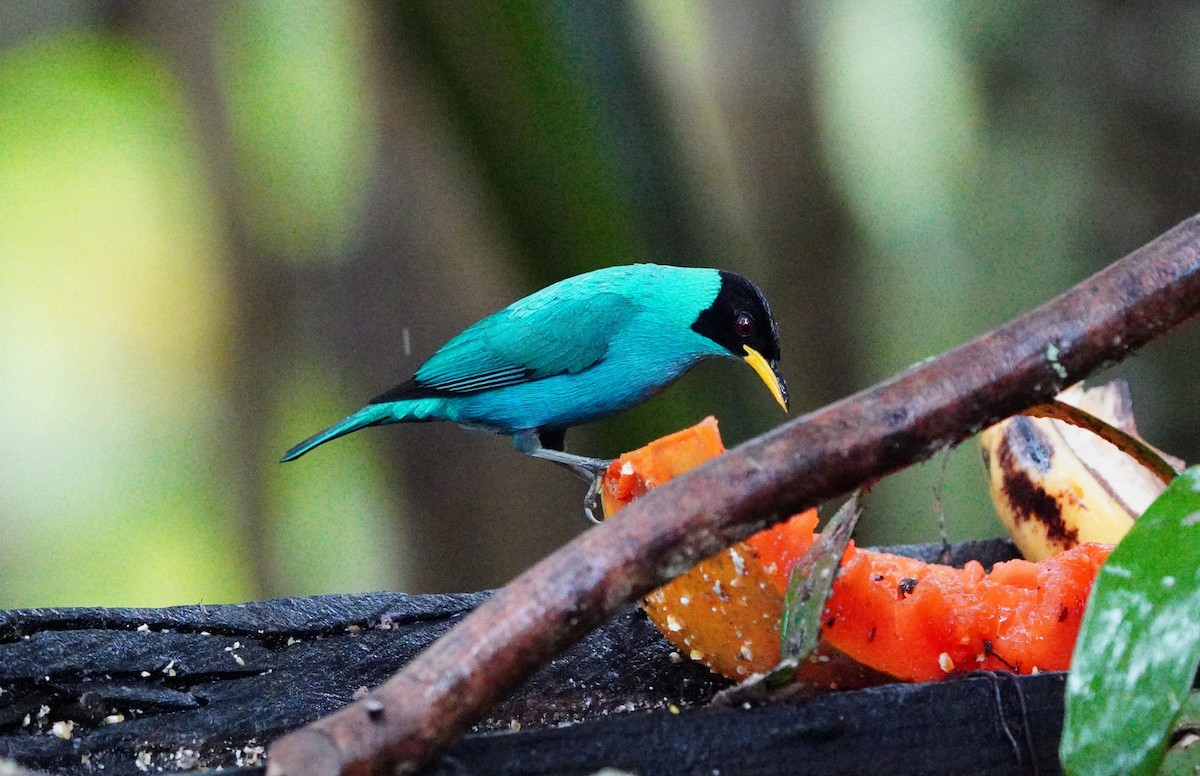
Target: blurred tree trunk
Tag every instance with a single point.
(183, 33)
(429, 261)
(1149, 73)
(435, 261)
(759, 68)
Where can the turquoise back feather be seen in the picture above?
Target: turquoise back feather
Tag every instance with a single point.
(588, 346)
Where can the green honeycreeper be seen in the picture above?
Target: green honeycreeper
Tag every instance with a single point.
(579, 350)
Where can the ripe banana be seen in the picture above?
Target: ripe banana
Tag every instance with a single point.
(1056, 485)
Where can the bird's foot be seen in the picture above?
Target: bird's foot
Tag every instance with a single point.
(592, 470)
(592, 504)
(589, 469)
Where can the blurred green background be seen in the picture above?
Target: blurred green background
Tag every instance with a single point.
(220, 222)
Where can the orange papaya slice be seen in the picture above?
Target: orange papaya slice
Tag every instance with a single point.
(902, 617)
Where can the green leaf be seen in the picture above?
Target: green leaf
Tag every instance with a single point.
(809, 588)
(811, 584)
(1184, 754)
(1139, 643)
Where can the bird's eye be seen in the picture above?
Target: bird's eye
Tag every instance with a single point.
(745, 325)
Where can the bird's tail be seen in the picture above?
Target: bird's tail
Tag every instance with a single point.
(370, 415)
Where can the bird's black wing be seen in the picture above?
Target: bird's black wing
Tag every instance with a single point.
(466, 384)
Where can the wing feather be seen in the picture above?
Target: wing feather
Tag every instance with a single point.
(541, 336)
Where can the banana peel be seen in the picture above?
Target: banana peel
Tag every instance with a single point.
(1056, 485)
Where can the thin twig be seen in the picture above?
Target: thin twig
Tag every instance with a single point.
(404, 722)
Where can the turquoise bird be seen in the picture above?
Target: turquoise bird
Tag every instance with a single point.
(579, 350)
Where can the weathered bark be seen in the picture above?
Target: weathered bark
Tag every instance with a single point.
(207, 686)
(194, 687)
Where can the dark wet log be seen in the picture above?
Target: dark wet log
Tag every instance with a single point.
(988, 724)
(206, 686)
(201, 686)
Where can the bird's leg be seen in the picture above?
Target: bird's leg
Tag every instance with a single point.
(548, 445)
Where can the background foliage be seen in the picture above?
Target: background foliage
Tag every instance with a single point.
(220, 222)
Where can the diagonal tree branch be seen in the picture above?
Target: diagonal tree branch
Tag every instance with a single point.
(808, 460)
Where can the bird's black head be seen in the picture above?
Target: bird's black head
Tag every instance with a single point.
(740, 320)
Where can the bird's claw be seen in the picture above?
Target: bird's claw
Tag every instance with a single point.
(592, 505)
(591, 470)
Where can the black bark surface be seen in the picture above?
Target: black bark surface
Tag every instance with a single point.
(193, 687)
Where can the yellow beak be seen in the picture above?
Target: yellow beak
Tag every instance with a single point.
(769, 376)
